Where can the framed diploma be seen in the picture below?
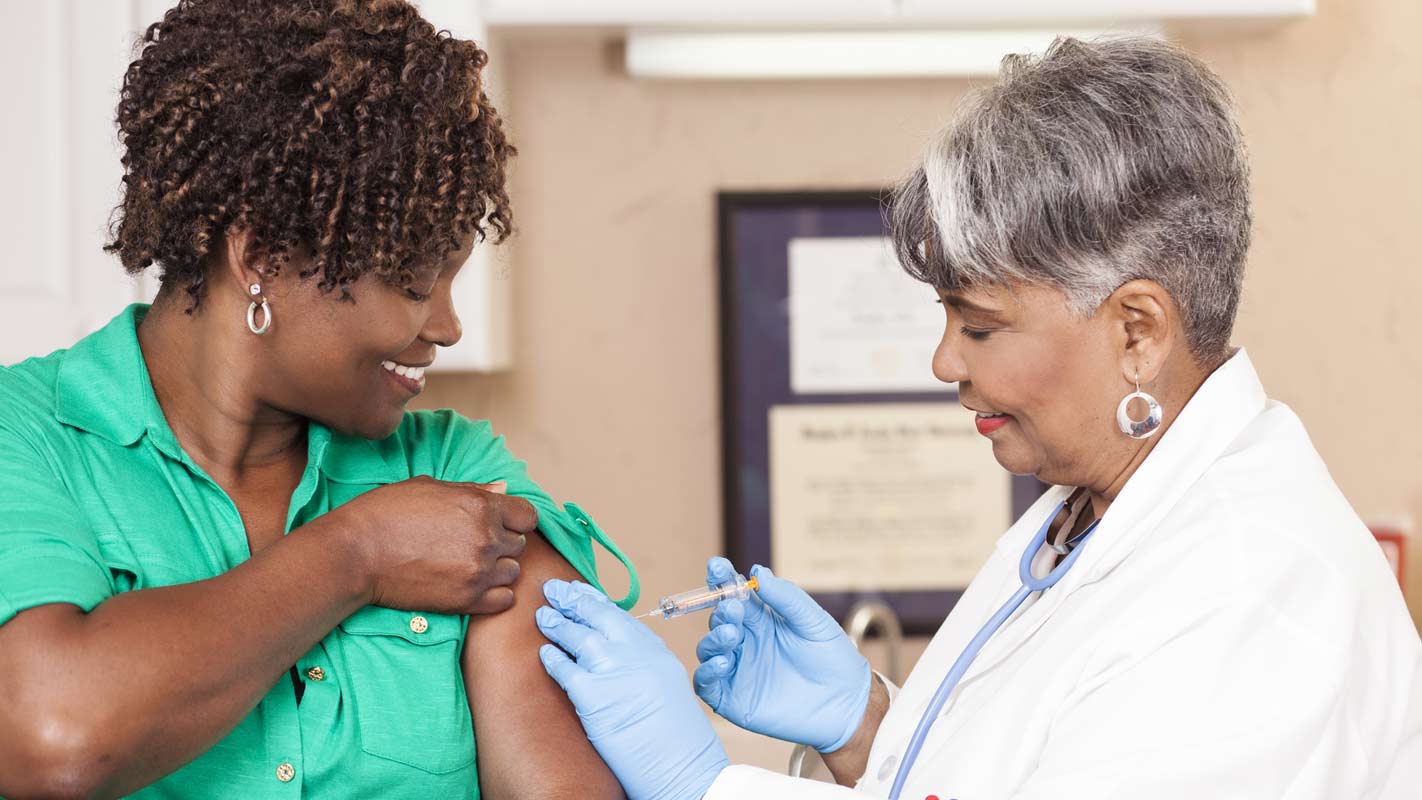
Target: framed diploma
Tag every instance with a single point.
(848, 467)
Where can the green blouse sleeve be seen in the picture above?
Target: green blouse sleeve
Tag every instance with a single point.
(471, 452)
(48, 554)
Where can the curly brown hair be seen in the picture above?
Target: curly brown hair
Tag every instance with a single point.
(349, 130)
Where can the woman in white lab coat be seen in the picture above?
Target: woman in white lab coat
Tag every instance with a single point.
(1219, 624)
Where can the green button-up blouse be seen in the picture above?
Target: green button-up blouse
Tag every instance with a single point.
(97, 497)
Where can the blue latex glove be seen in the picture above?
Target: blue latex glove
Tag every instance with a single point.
(778, 664)
(631, 694)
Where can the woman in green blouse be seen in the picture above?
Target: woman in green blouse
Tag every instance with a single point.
(231, 563)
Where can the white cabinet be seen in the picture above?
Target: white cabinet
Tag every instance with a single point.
(60, 159)
(483, 290)
(61, 165)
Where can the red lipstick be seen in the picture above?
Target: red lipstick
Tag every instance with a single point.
(988, 425)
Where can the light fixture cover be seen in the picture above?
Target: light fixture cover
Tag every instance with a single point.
(840, 54)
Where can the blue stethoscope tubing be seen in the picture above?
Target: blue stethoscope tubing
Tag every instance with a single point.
(1030, 584)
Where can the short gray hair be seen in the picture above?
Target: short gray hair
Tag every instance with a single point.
(1092, 165)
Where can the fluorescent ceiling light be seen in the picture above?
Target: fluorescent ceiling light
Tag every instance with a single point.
(838, 54)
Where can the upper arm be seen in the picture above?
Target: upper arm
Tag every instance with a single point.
(51, 569)
(51, 572)
(530, 742)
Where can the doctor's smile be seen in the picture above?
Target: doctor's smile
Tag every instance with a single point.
(237, 560)
(988, 423)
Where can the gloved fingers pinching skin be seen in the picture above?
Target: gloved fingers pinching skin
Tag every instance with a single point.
(581, 642)
(584, 604)
(564, 671)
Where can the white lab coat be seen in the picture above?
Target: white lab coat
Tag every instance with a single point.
(1231, 630)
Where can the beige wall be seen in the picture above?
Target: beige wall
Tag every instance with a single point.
(614, 397)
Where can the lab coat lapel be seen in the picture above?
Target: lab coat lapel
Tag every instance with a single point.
(1220, 410)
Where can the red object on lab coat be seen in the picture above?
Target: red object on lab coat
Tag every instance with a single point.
(1394, 545)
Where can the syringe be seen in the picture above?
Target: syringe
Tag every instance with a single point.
(700, 599)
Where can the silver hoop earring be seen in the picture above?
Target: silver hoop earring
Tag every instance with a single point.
(256, 291)
(1145, 428)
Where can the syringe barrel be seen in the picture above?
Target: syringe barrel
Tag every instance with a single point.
(689, 602)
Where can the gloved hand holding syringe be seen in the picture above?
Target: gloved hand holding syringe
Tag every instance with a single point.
(773, 662)
(702, 598)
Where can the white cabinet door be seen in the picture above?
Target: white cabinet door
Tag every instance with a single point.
(60, 155)
(145, 13)
(61, 158)
(483, 291)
